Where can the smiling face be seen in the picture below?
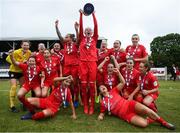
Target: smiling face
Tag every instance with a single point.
(103, 90)
(32, 61)
(142, 68)
(57, 47)
(41, 47)
(88, 32)
(25, 45)
(135, 39)
(129, 64)
(68, 38)
(110, 68)
(47, 54)
(103, 45)
(116, 45)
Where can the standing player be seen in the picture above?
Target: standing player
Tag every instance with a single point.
(128, 110)
(136, 51)
(51, 66)
(71, 59)
(39, 56)
(50, 105)
(31, 79)
(131, 76)
(119, 54)
(88, 59)
(15, 73)
(148, 85)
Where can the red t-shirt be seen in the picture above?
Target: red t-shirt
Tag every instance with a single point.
(110, 81)
(118, 105)
(71, 55)
(132, 79)
(88, 50)
(31, 75)
(58, 55)
(139, 52)
(60, 94)
(119, 55)
(39, 58)
(51, 68)
(149, 82)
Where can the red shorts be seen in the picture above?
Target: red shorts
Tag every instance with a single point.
(88, 70)
(153, 95)
(31, 86)
(99, 78)
(48, 82)
(71, 70)
(44, 103)
(130, 113)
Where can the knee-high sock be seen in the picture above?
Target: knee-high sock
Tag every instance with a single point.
(84, 93)
(12, 95)
(27, 104)
(38, 115)
(92, 93)
(153, 107)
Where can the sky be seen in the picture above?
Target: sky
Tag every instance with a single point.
(117, 19)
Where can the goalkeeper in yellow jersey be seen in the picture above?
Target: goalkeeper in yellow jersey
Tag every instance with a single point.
(15, 73)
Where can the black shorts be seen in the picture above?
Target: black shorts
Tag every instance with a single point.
(15, 75)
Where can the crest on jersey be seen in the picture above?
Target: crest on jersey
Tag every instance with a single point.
(155, 83)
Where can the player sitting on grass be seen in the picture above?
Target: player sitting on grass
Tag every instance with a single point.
(128, 110)
(50, 105)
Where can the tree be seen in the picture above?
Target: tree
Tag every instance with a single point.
(166, 50)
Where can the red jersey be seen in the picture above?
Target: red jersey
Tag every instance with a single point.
(31, 74)
(110, 81)
(59, 55)
(88, 50)
(117, 105)
(149, 82)
(119, 55)
(138, 51)
(51, 68)
(131, 79)
(59, 95)
(39, 58)
(71, 55)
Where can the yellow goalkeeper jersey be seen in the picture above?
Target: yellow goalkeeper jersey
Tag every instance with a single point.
(19, 57)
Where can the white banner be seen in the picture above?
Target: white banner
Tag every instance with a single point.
(162, 71)
(4, 73)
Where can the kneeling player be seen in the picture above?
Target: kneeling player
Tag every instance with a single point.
(50, 105)
(128, 110)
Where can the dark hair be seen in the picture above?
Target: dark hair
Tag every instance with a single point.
(72, 36)
(119, 41)
(147, 65)
(135, 35)
(130, 58)
(25, 41)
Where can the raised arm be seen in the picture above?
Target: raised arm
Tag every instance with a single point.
(81, 25)
(102, 64)
(58, 31)
(76, 26)
(95, 26)
(122, 81)
(115, 62)
(62, 78)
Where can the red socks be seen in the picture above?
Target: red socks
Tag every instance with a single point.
(153, 107)
(27, 104)
(38, 115)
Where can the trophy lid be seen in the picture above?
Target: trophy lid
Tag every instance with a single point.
(88, 8)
